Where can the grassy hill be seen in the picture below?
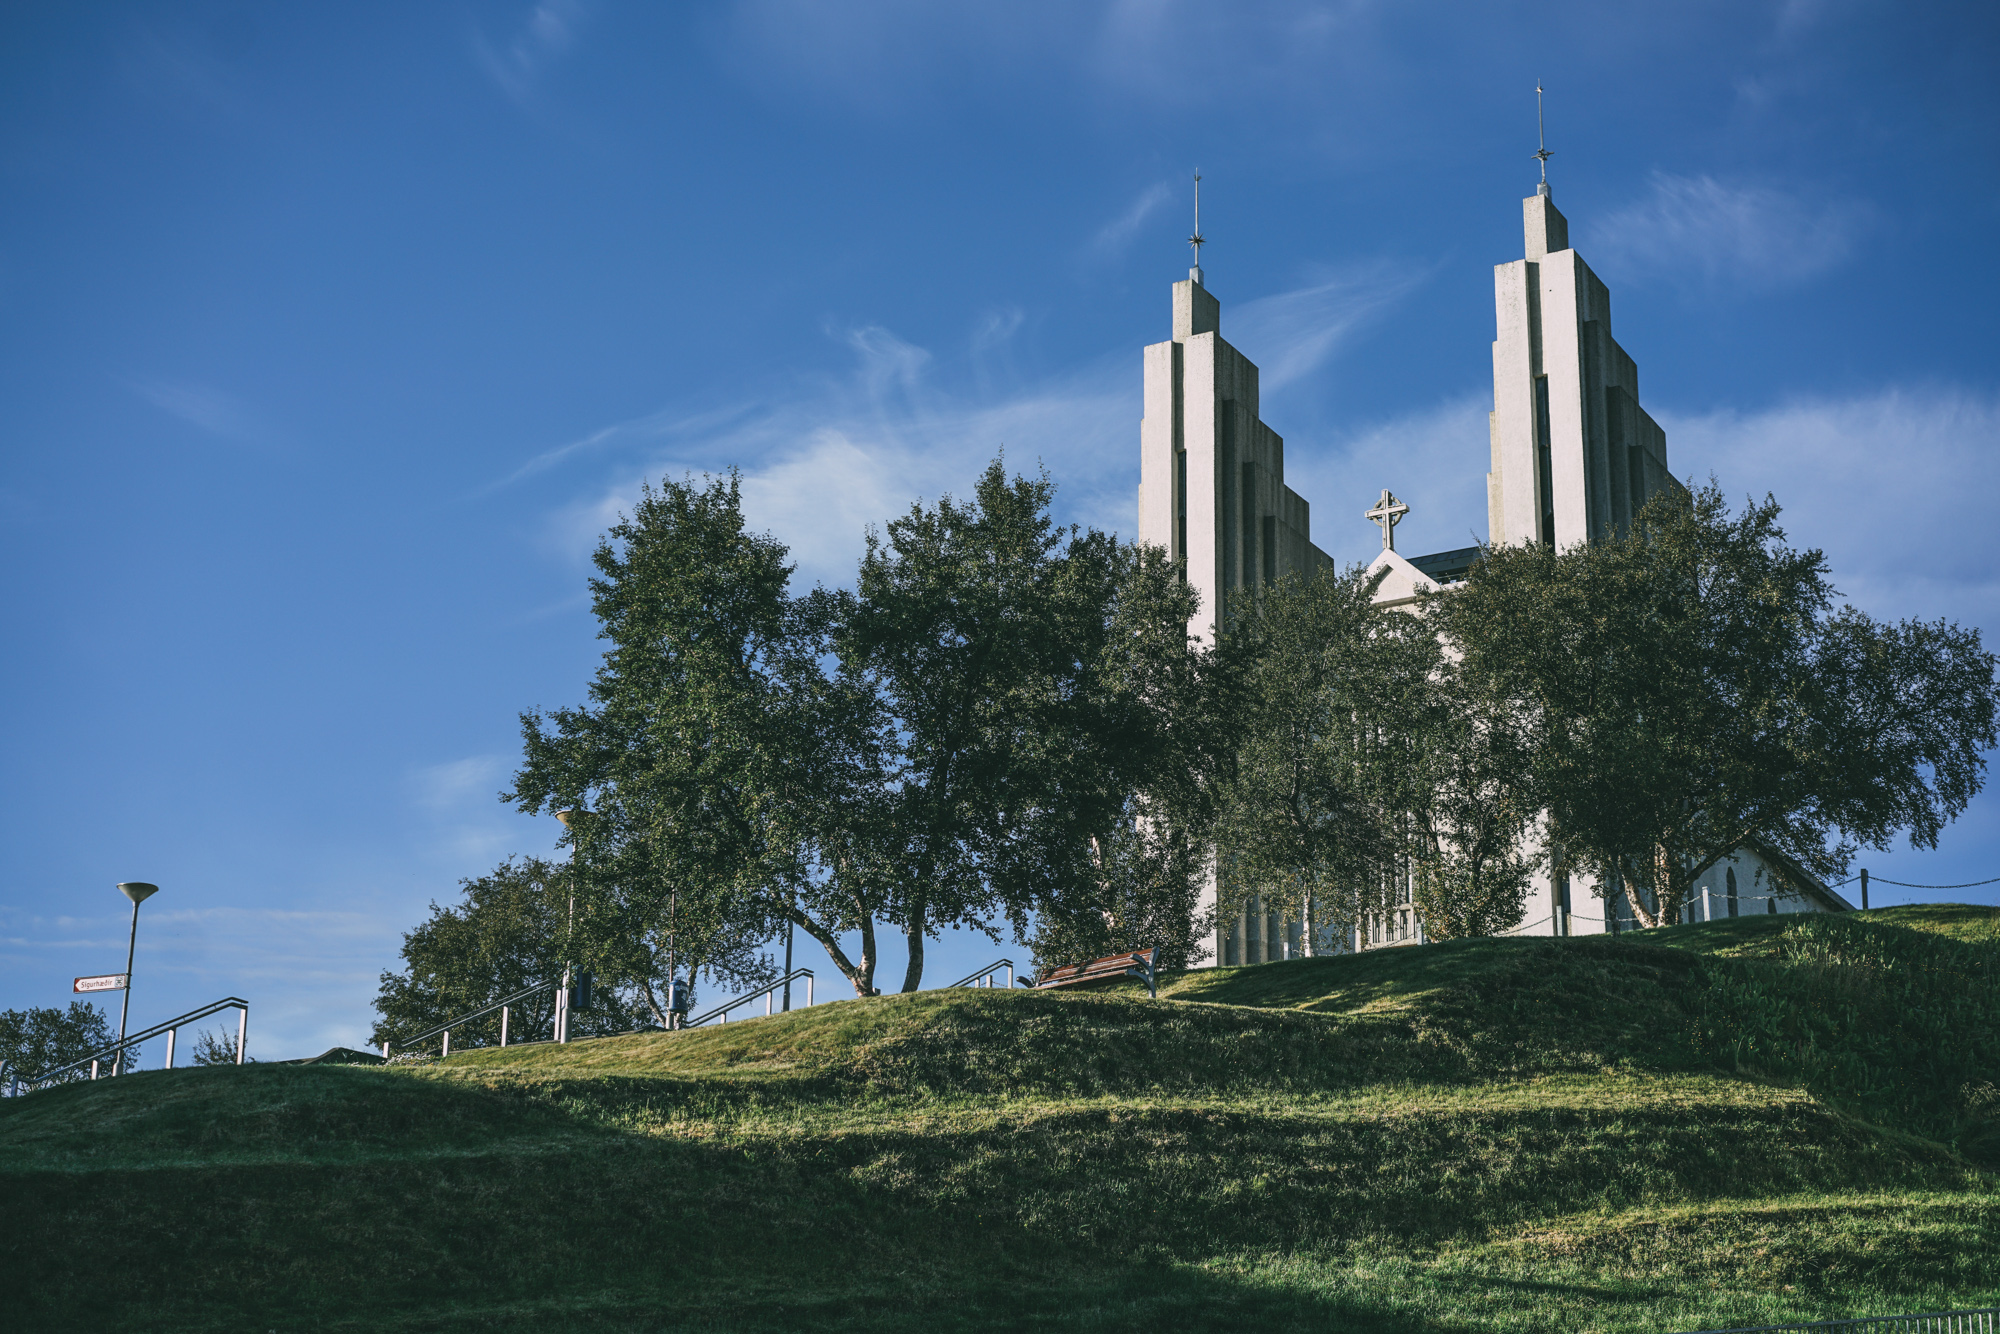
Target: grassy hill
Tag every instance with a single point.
(1745, 1122)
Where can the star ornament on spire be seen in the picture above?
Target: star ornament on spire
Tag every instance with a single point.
(1197, 240)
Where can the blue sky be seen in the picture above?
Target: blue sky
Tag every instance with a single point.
(332, 336)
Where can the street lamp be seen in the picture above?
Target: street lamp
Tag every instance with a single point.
(138, 891)
(574, 821)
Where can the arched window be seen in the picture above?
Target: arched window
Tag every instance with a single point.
(1730, 878)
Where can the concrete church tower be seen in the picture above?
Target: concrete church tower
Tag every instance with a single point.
(1573, 452)
(1211, 474)
(1212, 492)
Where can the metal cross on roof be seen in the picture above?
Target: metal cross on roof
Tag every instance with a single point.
(1388, 512)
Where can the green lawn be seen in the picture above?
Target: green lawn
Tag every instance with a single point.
(1737, 1123)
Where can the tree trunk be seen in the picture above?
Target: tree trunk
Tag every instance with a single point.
(913, 976)
(861, 975)
(653, 1002)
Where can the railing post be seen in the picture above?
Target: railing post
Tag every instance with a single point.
(809, 991)
(93, 1069)
(447, 1043)
(172, 1033)
(503, 1025)
(385, 1049)
(242, 1031)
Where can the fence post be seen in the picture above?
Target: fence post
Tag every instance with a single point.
(809, 992)
(503, 1025)
(385, 1049)
(93, 1069)
(242, 1031)
(172, 1033)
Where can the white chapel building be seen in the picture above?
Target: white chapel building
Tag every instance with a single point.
(1572, 453)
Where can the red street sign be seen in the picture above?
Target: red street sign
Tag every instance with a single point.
(108, 982)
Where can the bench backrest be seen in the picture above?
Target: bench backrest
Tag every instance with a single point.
(1127, 963)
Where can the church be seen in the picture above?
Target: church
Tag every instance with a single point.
(1572, 454)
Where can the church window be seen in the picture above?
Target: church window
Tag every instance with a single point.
(1545, 461)
(1180, 509)
(1729, 880)
(1771, 904)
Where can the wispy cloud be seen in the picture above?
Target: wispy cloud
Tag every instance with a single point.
(1435, 461)
(1116, 234)
(824, 458)
(1896, 486)
(547, 32)
(1292, 334)
(205, 408)
(823, 463)
(1695, 230)
(318, 962)
(467, 823)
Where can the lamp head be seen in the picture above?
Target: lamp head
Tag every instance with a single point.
(573, 818)
(137, 890)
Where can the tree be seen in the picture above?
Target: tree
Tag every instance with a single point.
(1161, 701)
(1463, 803)
(1016, 734)
(726, 761)
(1308, 825)
(508, 933)
(37, 1040)
(217, 1048)
(1690, 690)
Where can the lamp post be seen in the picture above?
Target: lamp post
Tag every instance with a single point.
(138, 891)
(573, 820)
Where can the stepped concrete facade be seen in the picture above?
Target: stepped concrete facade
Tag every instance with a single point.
(1573, 457)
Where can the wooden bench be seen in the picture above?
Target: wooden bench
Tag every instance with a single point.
(1131, 963)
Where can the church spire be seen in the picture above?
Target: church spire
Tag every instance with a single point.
(1542, 153)
(1197, 240)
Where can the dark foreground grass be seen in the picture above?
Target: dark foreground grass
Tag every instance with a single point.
(1492, 1135)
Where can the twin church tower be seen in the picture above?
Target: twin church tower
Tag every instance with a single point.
(1572, 450)
(1573, 454)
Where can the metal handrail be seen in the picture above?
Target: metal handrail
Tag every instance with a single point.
(723, 1009)
(226, 1003)
(1944, 1322)
(450, 1024)
(971, 979)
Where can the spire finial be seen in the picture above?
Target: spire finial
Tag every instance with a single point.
(1542, 152)
(1197, 240)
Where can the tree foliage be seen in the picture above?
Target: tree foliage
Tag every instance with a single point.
(40, 1039)
(1029, 683)
(508, 932)
(720, 761)
(1690, 689)
(1163, 701)
(1305, 827)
